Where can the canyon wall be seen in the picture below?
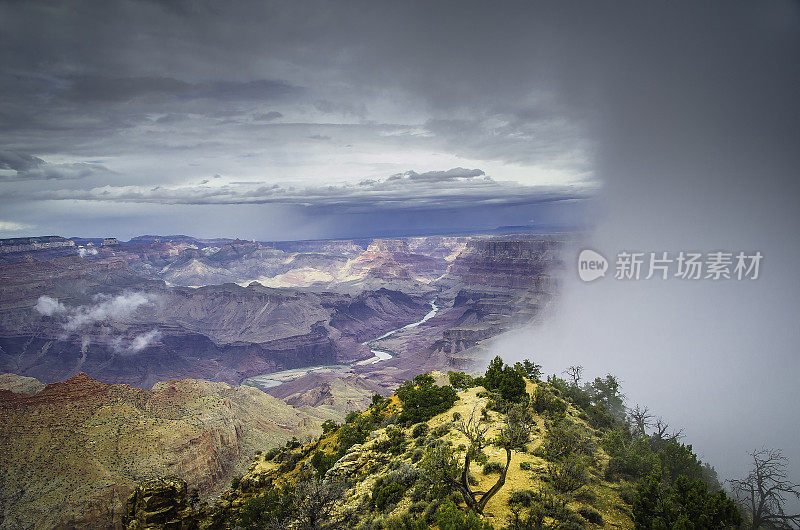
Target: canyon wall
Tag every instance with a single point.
(74, 451)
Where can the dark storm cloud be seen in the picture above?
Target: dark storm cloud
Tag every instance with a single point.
(268, 116)
(455, 188)
(95, 89)
(19, 161)
(28, 167)
(329, 107)
(257, 90)
(103, 70)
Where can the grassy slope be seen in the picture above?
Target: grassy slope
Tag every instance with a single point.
(372, 463)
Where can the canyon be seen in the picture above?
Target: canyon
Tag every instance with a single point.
(148, 349)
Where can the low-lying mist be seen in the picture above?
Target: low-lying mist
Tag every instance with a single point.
(697, 151)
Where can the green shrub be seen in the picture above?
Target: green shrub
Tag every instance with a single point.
(529, 369)
(631, 457)
(544, 401)
(351, 434)
(564, 438)
(530, 508)
(395, 442)
(627, 492)
(591, 515)
(422, 399)
(390, 488)
(586, 495)
(352, 416)
(441, 430)
(493, 467)
(387, 494)
(569, 474)
(272, 507)
(525, 466)
(420, 429)
(451, 517)
(507, 381)
(329, 426)
(406, 521)
(660, 505)
(289, 462)
(418, 507)
(461, 380)
(235, 481)
(323, 462)
(431, 511)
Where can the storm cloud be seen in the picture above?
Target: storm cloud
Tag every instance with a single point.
(128, 96)
(454, 188)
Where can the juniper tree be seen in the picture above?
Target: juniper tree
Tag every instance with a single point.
(442, 462)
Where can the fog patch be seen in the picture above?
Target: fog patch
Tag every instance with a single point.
(109, 308)
(138, 343)
(49, 306)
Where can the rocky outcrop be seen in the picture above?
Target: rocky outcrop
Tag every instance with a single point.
(28, 244)
(159, 503)
(456, 340)
(73, 452)
(20, 385)
(507, 263)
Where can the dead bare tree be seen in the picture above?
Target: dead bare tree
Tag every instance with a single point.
(513, 435)
(661, 431)
(765, 491)
(641, 419)
(575, 373)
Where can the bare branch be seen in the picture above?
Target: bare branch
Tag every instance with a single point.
(575, 373)
(766, 489)
(661, 430)
(641, 419)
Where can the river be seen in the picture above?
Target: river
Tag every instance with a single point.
(278, 378)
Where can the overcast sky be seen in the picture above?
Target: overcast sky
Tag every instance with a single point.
(133, 117)
(318, 119)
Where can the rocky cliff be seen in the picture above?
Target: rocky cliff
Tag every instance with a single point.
(74, 451)
(223, 333)
(29, 244)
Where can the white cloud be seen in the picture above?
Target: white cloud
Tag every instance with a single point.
(144, 340)
(49, 306)
(108, 308)
(135, 345)
(11, 226)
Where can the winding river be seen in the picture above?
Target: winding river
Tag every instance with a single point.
(277, 378)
